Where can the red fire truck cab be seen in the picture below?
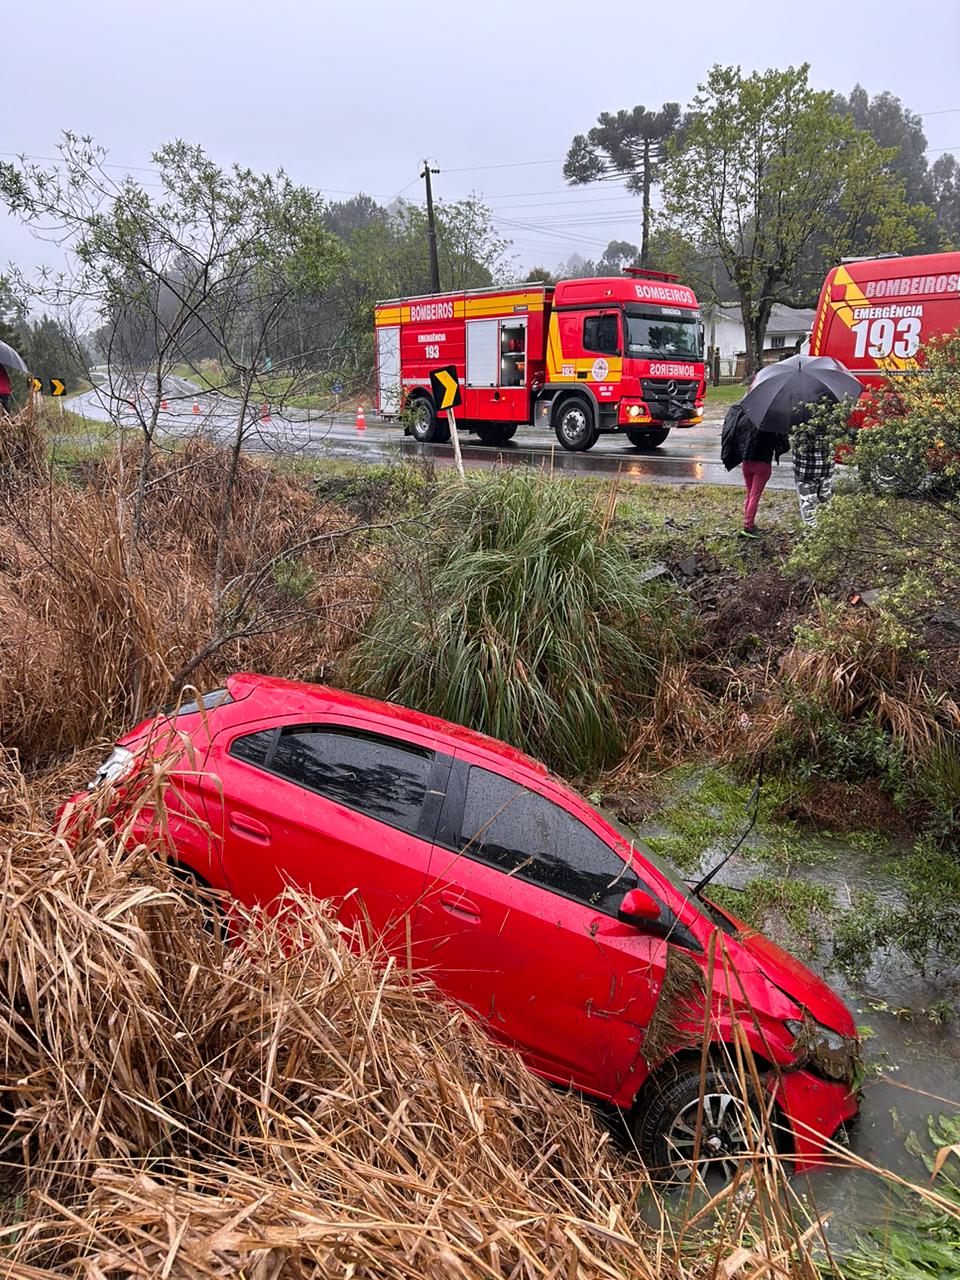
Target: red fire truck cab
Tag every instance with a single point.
(875, 314)
(582, 356)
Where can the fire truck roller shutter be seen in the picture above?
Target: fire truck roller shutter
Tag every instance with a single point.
(483, 353)
(388, 369)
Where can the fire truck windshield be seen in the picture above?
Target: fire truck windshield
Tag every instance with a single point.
(651, 332)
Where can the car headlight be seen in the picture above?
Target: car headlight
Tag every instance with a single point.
(827, 1053)
(117, 765)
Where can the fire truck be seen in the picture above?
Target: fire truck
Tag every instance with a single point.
(585, 357)
(875, 314)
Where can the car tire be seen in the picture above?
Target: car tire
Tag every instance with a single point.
(424, 426)
(575, 425)
(496, 433)
(664, 1126)
(647, 439)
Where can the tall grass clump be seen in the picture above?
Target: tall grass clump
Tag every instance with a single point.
(520, 615)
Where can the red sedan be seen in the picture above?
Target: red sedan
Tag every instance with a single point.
(538, 913)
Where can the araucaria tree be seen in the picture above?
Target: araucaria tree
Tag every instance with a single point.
(632, 143)
(766, 172)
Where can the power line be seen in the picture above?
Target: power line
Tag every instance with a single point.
(515, 164)
(547, 231)
(564, 204)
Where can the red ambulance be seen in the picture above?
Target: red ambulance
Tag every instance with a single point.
(875, 314)
(584, 357)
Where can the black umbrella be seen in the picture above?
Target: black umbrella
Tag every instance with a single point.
(781, 394)
(12, 359)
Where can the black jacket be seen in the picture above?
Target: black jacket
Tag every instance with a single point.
(740, 441)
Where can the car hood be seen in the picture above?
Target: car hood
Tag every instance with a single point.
(797, 981)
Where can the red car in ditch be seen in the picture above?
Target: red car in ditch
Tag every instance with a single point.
(539, 914)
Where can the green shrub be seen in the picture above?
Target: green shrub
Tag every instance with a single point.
(519, 614)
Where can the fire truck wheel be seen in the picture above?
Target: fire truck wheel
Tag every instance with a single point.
(423, 421)
(496, 433)
(646, 439)
(574, 425)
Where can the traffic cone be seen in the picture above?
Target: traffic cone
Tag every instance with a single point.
(264, 413)
(196, 407)
(361, 420)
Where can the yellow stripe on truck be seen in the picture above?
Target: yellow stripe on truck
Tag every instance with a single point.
(502, 306)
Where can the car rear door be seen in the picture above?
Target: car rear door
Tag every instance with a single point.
(519, 924)
(337, 808)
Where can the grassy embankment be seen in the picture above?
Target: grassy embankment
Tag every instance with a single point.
(697, 649)
(725, 394)
(294, 391)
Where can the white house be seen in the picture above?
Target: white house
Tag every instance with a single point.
(787, 327)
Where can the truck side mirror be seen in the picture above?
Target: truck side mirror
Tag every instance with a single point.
(638, 907)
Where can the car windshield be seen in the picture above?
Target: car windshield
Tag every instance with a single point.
(666, 870)
(658, 333)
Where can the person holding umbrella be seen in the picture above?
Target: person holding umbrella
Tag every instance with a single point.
(742, 445)
(781, 398)
(9, 359)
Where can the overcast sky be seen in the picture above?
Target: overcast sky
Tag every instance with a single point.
(348, 96)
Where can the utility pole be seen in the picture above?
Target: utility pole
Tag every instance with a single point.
(431, 228)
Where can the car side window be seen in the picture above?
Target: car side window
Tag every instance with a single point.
(254, 748)
(522, 833)
(380, 777)
(602, 333)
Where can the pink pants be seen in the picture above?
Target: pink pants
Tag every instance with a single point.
(755, 477)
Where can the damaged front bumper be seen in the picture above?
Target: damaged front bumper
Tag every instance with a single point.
(819, 1094)
(816, 1110)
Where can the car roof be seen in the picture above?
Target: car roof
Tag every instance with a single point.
(272, 694)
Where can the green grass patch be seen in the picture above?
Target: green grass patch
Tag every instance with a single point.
(779, 905)
(726, 394)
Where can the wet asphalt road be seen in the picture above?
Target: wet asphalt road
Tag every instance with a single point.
(689, 456)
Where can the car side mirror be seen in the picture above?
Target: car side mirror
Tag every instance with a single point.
(638, 907)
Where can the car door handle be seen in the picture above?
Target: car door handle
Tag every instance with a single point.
(458, 904)
(244, 825)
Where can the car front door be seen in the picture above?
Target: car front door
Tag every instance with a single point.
(519, 923)
(334, 809)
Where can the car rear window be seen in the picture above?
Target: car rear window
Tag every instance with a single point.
(380, 777)
(511, 827)
(205, 702)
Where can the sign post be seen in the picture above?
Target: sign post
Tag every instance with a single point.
(57, 389)
(445, 386)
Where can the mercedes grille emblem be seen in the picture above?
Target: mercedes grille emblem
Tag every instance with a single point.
(671, 388)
